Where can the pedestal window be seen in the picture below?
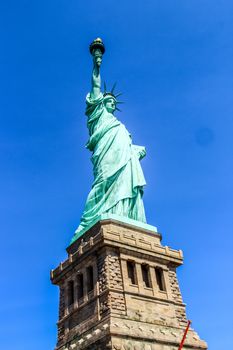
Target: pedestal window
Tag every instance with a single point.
(70, 292)
(80, 286)
(146, 275)
(131, 272)
(160, 279)
(90, 279)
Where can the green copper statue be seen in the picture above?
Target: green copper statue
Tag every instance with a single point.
(118, 177)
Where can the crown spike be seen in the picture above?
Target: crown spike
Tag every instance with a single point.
(105, 87)
(119, 94)
(118, 109)
(113, 88)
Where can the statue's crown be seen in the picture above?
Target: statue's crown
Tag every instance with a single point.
(111, 93)
(108, 93)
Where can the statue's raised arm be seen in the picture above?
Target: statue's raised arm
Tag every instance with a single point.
(97, 50)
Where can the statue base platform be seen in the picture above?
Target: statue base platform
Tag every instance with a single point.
(114, 217)
(119, 290)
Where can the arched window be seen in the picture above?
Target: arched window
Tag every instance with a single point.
(90, 279)
(146, 275)
(80, 285)
(70, 292)
(160, 278)
(131, 272)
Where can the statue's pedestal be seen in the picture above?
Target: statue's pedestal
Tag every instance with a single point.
(119, 290)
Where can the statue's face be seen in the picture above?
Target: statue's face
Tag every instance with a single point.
(110, 105)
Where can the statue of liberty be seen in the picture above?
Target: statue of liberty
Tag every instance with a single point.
(118, 178)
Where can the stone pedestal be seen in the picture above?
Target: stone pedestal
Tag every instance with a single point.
(119, 290)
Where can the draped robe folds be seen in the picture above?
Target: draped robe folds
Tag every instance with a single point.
(118, 177)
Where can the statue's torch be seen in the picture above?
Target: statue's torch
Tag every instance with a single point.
(97, 50)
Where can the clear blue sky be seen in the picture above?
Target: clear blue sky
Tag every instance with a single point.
(174, 62)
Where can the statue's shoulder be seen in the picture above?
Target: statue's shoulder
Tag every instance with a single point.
(94, 106)
(94, 101)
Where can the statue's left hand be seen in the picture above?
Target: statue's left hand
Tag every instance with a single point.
(142, 153)
(140, 150)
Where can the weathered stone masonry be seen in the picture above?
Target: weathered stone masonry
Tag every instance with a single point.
(119, 290)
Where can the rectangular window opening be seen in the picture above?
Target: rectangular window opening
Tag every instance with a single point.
(146, 275)
(80, 285)
(90, 279)
(160, 279)
(131, 272)
(70, 291)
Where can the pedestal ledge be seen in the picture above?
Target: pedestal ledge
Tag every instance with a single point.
(123, 233)
(115, 218)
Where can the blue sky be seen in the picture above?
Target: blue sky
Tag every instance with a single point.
(173, 60)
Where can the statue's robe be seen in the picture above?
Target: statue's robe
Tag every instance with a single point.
(118, 177)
